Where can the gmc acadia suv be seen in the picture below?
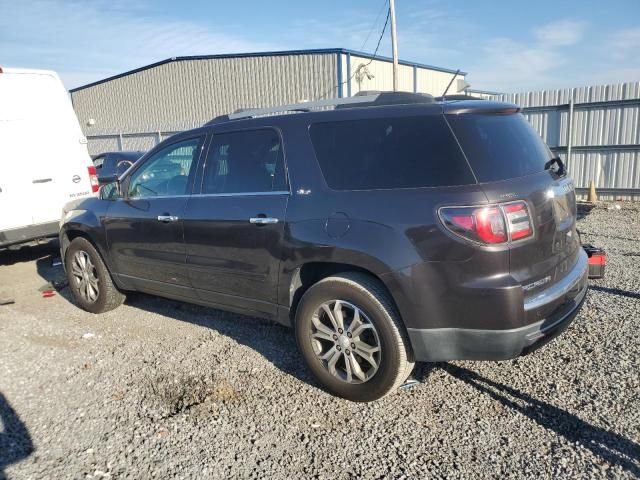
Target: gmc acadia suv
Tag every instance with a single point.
(391, 229)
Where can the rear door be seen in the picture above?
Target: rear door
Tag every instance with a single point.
(60, 159)
(234, 228)
(509, 159)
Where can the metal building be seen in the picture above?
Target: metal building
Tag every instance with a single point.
(137, 109)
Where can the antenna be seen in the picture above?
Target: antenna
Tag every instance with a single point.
(454, 77)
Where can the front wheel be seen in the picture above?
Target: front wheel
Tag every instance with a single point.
(351, 337)
(89, 280)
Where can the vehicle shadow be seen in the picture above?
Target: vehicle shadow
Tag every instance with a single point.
(609, 446)
(15, 441)
(615, 291)
(273, 341)
(29, 253)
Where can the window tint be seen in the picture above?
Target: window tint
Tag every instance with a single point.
(500, 146)
(245, 162)
(166, 173)
(382, 153)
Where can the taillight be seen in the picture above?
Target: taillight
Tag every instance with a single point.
(489, 225)
(93, 178)
(518, 220)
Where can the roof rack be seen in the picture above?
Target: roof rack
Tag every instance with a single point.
(363, 99)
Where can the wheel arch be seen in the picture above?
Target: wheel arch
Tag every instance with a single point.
(308, 274)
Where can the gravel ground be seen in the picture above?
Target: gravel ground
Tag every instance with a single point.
(163, 389)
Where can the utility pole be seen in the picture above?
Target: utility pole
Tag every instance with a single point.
(394, 43)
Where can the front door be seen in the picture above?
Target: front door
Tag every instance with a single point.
(145, 228)
(234, 228)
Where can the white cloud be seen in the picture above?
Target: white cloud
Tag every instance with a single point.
(507, 65)
(624, 45)
(560, 33)
(90, 40)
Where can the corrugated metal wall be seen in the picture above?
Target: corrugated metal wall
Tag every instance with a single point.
(185, 94)
(605, 131)
(136, 110)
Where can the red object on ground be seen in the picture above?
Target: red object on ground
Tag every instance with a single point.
(597, 261)
(48, 293)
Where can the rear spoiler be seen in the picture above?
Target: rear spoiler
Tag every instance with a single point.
(475, 106)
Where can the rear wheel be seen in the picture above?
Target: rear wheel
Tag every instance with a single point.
(89, 280)
(351, 337)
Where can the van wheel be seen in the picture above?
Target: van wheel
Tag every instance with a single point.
(351, 337)
(89, 279)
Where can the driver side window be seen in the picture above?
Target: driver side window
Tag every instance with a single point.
(166, 173)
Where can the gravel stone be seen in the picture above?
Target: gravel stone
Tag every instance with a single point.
(171, 390)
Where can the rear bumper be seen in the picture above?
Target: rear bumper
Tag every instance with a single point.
(562, 302)
(28, 233)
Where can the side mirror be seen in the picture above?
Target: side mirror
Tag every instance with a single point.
(110, 191)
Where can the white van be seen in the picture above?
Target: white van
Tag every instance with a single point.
(44, 162)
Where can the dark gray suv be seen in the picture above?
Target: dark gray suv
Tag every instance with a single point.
(386, 229)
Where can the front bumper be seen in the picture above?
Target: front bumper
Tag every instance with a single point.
(558, 305)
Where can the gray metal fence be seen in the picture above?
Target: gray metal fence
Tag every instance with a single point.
(116, 142)
(595, 130)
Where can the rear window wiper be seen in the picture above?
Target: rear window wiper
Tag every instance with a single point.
(560, 170)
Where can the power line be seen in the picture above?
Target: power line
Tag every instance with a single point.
(373, 26)
(373, 57)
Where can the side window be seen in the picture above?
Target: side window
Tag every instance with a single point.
(167, 172)
(383, 153)
(245, 162)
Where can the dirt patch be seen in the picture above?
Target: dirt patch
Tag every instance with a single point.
(172, 393)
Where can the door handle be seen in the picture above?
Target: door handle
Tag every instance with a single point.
(167, 218)
(42, 180)
(263, 220)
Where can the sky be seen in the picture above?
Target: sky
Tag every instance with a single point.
(505, 46)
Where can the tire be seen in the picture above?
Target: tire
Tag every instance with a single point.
(319, 346)
(103, 295)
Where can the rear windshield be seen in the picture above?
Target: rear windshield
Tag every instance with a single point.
(383, 153)
(499, 147)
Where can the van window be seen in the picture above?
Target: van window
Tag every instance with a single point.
(500, 147)
(166, 173)
(250, 161)
(383, 153)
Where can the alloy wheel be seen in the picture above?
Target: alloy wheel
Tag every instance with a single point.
(85, 276)
(345, 341)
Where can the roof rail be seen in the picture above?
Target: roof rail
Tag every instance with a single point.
(301, 107)
(363, 99)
